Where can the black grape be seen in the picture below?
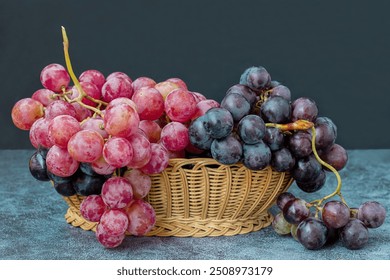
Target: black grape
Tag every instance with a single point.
(256, 156)
(227, 150)
(37, 166)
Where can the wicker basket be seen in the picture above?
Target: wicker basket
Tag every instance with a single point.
(200, 197)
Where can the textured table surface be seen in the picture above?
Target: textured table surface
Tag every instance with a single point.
(32, 224)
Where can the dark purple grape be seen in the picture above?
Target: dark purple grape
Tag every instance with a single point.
(218, 123)
(282, 91)
(276, 110)
(312, 233)
(65, 188)
(37, 166)
(283, 198)
(43, 151)
(237, 105)
(372, 214)
(87, 185)
(198, 134)
(326, 133)
(251, 129)
(245, 91)
(274, 138)
(306, 169)
(336, 156)
(282, 160)
(304, 109)
(295, 211)
(314, 185)
(227, 150)
(58, 179)
(333, 235)
(335, 214)
(300, 144)
(256, 156)
(86, 168)
(257, 78)
(354, 234)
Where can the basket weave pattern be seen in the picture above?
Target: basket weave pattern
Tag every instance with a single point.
(200, 197)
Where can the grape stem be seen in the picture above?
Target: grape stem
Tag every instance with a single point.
(82, 93)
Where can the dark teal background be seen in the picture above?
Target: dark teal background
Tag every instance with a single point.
(336, 52)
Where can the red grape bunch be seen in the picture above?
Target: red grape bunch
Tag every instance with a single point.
(103, 136)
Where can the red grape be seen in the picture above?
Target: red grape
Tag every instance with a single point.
(90, 89)
(116, 87)
(203, 106)
(141, 150)
(93, 76)
(174, 136)
(114, 222)
(140, 182)
(60, 162)
(142, 217)
(150, 103)
(55, 77)
(119, 75)
(121, 120)
(25, 112)
(100, 166)
(159, 160)
(179, 82)
(45, 96)
(151, 129)
(118, 152)
(95, 124)
(180, 105)
(86, 146)
(59, 107)
(166, 88)
(92, 208)
(62, 128)
(107, 240)
(117, 192)
(143, 82)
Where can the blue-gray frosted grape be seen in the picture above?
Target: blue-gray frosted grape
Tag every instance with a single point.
(304, 109)
(256, 77)
(237, 105)
(282, 91)
(276, 110)
(218, 122)
(199, 137)
(256, 156)
(354, 235)
(227, 150)
(245, 91)
(312, 233)
(251, 129)
(372, 214)
(300, 144)
(282, 160)
(274, 138)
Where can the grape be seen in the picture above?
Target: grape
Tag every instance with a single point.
(226, 150)
(119, 75)
(312, 233)
(90, 89)
(251, 129)
(313, 185)
(121, 120)
(116, 87)
(61, 129)
(94, 77)
(118, 152)
(166, 88)
(245, 91)
(274, 138)
(44, 96)
(37, 166)
(179, 82)
(180, 105)
(43, 151)
(276, 110)
(39, 133)
(306, 169)
(219, 123)
(282, 160)
(335, 214)
(304, 109)
(372, 214)
(326, 133)
(294, 232)
(174, 136)
(59, 179)
(150, 103)
(198, 134)
(100, 166)
(117, 192)
(107, 240)
(282, 91)
(181, 153)
(257, 78)
(199, 97)
(237, 105)
(143, 82)
(151, 129)
(95, 124)
(256, 156)
(300, 144)
(25, 112)
(158, 161)
(354, 234)
(141, 150)
(114, 222)
(142, 217)
(82, 113)
(283, 198)
(86, 146)
(60, 162)
(86, 168)
(92, 208)
(280, 225)
(65, 188)
(55, 77)
(336, 156)
(59, 107)
(295, 211)
(140, 182)
(88, 185)
(203, 106)
(122, 100)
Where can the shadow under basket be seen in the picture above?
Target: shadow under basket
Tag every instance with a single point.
(200, 197)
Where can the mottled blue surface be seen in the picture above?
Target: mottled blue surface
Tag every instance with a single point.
(32, 224)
